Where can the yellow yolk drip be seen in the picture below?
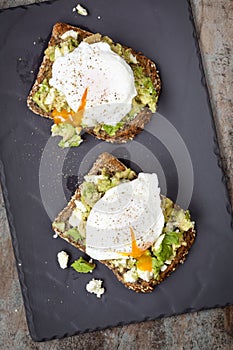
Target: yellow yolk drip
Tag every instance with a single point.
(72, 118)
(62, 117)
(136, 251)
(144, 261)
(83, 101)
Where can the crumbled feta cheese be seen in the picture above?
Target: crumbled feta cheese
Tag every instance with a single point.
(133, 59)
(158, 242)
(79, 205)
(69, 33)
(65, 50)
(168, 262)
(75, 218)
(93, 178)
(81, 10)
(145, 275)
(57, 53)
(95, 286)
(50, 97)
(163, 268)
(62, 258)
(119, 262)
(130, 276)
(171, 226)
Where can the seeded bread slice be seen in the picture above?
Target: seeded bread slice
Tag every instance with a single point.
(112, 165)
(130, 129)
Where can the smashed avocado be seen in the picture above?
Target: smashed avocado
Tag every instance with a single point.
(91, 192)
(177, 221)
(162, 252)
(66, 46)
(48, 98)
(70, 135)
(74, 234)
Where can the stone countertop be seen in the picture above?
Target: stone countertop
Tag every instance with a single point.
(211, 329)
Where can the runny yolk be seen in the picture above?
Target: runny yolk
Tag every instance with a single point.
(144, 261)
(62, 117)
(73, 118)
(78, 116)
(83, 101)
(136, 251)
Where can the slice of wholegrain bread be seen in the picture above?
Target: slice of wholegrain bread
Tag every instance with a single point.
(129, 129)
(112, 165)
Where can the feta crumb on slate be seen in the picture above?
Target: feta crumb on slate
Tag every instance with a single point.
(81, 10)
(95, 287)
(62, 258)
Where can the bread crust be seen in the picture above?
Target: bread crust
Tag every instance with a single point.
(113, 165)
(131, 128)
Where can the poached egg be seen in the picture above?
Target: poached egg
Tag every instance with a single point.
(100, 75)
(126, 220)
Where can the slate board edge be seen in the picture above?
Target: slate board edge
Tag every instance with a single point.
(29, 315)
(216, 148)
(28, 311)
(25, 7)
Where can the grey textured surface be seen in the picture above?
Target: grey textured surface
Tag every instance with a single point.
(212, 329)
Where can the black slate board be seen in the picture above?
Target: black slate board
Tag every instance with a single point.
(179, 143)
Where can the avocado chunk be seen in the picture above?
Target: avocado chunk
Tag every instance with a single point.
(89, 193)
(59, 225)
(112, 129)
(74, 234)
(69, 135)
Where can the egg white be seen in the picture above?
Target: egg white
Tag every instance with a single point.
(109, 79)
(134, 204)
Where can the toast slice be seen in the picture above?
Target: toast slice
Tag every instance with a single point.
(130, 127)
(112, 166)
